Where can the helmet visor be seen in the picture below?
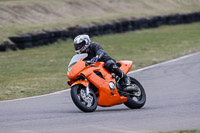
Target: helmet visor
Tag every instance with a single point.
(79, 45)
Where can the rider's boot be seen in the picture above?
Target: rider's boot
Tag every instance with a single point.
(126, 79)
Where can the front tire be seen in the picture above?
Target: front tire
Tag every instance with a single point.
(136, 100)
(81, 100)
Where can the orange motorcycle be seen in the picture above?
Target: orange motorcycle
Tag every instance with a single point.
(92, 85)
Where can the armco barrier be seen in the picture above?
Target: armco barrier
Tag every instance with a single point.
(47, 37)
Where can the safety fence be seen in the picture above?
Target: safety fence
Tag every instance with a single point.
(30, 40)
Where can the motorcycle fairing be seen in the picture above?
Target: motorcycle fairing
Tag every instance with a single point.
(106, 97)
(125, 66)
(83, 82)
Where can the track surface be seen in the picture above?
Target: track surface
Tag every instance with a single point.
(173, 103)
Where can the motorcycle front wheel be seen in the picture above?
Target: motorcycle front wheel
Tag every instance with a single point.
(86, 103)
(137, 99)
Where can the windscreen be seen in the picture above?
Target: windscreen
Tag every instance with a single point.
(76, 58)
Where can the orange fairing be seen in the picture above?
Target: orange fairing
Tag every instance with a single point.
(125, 66)
(106, 95)
(74, 71)
(84, 83)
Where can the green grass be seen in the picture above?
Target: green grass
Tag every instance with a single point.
(184, 131)
(43, 70)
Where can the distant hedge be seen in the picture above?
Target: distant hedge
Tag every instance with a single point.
(47, 37)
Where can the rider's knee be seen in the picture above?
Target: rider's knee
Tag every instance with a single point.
(110, 65)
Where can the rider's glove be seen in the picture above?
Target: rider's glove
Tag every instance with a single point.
(94, 60)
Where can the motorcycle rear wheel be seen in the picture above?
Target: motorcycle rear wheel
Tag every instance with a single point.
(136, 100)
(81, 100)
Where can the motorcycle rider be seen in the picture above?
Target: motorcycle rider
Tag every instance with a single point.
(83, 44)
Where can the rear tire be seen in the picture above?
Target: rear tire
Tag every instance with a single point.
(136, 100)
(83, 102)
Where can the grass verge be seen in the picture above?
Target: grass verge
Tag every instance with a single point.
(184, 131)
(44, 70)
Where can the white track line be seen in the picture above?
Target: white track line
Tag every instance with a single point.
(54, 93)
(163, 63)
(138, 70)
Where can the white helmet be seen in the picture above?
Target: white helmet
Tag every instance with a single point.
(81, 43)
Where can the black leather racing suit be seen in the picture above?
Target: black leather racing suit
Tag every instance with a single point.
(95, 50)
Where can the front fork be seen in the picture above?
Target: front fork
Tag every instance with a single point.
(87, 90)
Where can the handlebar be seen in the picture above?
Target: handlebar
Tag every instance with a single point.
(87, 63)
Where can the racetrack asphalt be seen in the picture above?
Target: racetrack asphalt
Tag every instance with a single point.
(173, 103)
